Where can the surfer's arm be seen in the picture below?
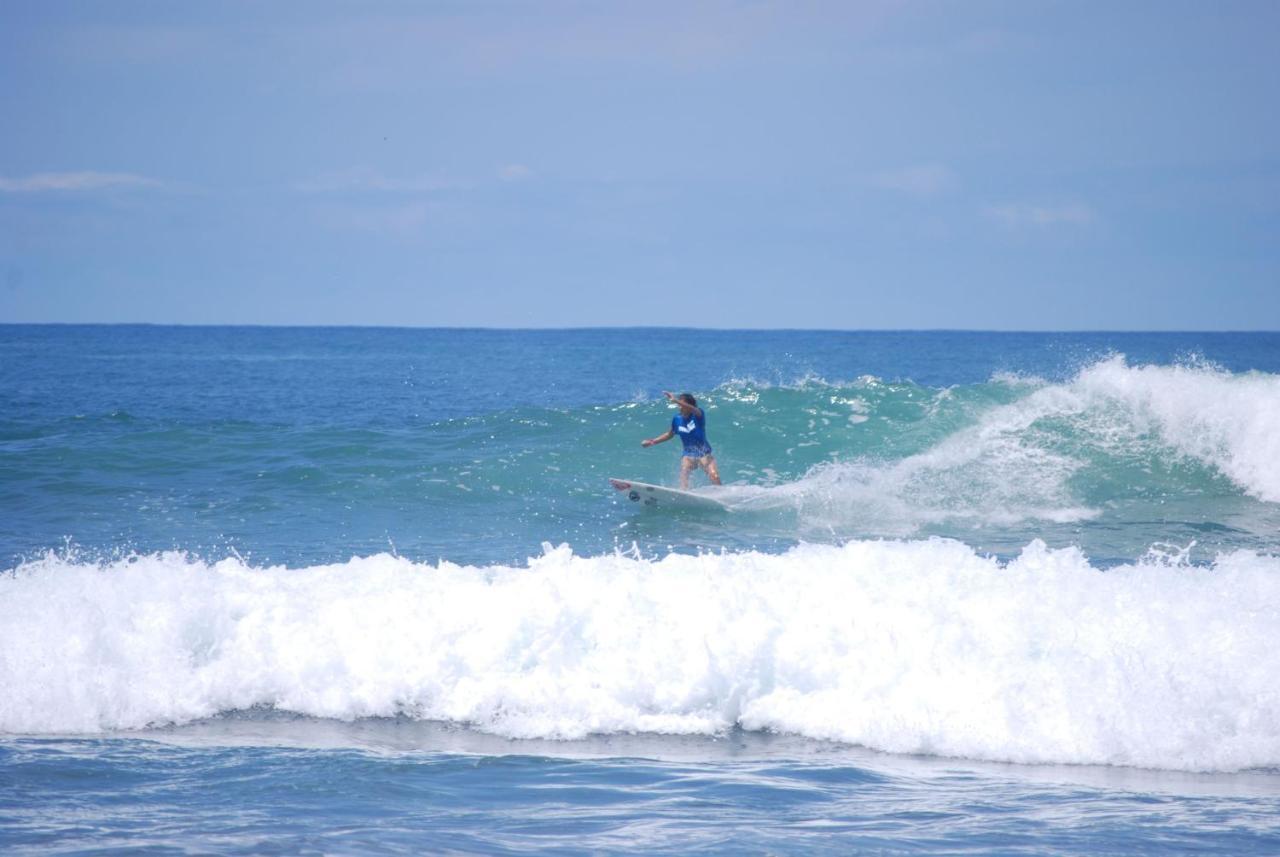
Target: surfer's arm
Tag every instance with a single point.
(659, 439)
(671, 397)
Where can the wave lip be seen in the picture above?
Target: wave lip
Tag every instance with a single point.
(1226, 421)
(909, 647)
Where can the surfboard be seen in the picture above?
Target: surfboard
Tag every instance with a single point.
(657, 496)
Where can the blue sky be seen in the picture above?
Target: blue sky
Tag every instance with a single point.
(990, 165)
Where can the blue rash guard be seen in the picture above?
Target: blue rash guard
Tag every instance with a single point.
(693, 433)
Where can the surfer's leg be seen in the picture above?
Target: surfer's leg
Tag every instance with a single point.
(709, 465)
(687, 464)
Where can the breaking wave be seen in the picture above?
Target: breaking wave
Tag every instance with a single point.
(902, 646)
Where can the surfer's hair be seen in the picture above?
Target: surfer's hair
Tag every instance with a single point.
(688, 399)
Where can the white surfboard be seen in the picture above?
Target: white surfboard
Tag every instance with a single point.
(658, 496)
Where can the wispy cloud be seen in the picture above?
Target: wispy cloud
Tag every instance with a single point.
(367, 179)
(668, 36)
(1022, 214)
(77, 181)
(514, 173)
(917, 180)
(400, 221)
(363, 179)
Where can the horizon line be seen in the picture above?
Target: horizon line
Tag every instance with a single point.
(646, 327)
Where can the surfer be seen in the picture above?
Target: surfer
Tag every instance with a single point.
(691, 425)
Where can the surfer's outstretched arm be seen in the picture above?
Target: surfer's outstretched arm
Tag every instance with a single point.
(650, 441)
(672, 397)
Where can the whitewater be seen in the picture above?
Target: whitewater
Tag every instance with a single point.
(910, 647)
(1027, 459)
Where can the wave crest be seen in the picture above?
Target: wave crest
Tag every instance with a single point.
(1055, 452)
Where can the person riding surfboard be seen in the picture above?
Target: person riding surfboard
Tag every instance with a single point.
(691, 425)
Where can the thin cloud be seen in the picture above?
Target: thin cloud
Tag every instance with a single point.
(515, 173)
(367, 179)
(917, 180)
(1021, 214)
(71, 182)
(671, 37)
(399, 221)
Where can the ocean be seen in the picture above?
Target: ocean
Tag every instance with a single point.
(351, 590)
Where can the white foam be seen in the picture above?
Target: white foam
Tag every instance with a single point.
(916, 647)
(1016, 462)
(1228, 421)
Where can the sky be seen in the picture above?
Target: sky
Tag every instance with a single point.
(993, 164)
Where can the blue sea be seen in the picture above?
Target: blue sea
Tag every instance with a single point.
(362, 591)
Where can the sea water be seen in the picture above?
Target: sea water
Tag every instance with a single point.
(369, 590)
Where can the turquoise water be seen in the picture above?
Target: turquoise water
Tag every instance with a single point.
(973, 591)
